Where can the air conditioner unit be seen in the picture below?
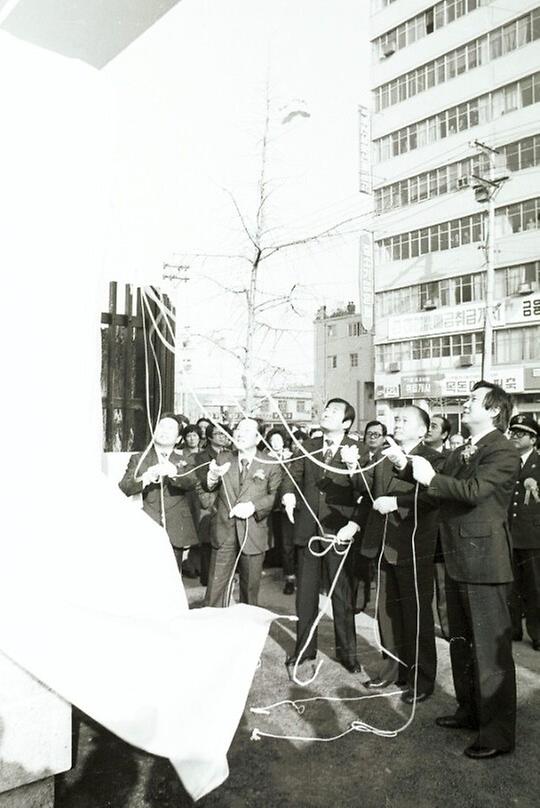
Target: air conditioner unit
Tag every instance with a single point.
(463, 182)
(525, 289)
(393, 367)
(430, 304)
(389, 49)
(465, 361)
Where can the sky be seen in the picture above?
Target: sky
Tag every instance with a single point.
(190, 99)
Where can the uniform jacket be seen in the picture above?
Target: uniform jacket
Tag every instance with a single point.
(259, 487)
(178, 513)
(524, 519)
(474, 498)
(330, 496)
(400, 524)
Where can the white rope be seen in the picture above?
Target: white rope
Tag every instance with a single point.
(356, 725)
(332, 544)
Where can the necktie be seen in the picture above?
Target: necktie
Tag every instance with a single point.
(328, 454)
(243, 469)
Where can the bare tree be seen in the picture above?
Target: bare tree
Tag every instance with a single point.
(261, 249)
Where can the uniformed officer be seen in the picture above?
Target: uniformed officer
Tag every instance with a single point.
(524, 520)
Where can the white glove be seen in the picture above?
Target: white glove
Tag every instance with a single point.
(216, 472)
(150, 476)
(423, 471)
(385, 505)
(350, 455)
(167, 469)
(289, 503)
(346, 533)
(394, 454)
(243, 510)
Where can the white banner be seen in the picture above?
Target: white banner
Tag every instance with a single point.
(366, 280)
(468, 317)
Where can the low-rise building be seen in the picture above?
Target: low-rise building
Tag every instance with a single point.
(344, 362)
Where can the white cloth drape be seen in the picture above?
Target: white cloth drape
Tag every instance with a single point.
(91, 602)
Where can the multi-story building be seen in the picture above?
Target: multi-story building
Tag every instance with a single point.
(343, 362)
(224, 404)
(446, 75)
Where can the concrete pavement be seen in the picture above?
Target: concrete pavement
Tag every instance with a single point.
(423, 767)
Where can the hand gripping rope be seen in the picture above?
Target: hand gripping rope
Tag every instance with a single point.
(299, 704)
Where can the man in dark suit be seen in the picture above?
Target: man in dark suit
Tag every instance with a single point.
(524, 519)
(374, 435)
(198, 560)
(405, 568)
(160, 475)
(474, 491)
(439, 432)
(246, 491)
(332, 499)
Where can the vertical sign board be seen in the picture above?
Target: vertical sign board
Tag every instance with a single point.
(364, 149)
(366, 279)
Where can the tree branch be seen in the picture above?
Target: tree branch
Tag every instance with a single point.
(241, 217)
(307, 239)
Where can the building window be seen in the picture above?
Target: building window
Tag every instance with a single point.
(459, 232)
(265, 405)
(436, 294)
(355, 329)
(332, 362)
(486, 108)
(513, 280)
(517, 156)
(423, 24)
(517, 344)
(517, 218)
(301, 405)
(427, 348)
(354, 360)
(482, 50)
(330, 331)
(282, 405)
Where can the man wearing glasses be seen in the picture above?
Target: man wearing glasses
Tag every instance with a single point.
(374, 435)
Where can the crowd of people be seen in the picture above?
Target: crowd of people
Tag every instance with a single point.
(420, 516)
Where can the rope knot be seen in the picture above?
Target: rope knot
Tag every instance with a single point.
(255, 735)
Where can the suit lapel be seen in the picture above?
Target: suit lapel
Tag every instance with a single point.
(531, 462)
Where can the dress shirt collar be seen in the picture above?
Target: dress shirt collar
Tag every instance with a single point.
(246, 456)
(525, 457)
(331, 445)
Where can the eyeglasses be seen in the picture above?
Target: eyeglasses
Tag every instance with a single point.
(374, 434)
(521, 433)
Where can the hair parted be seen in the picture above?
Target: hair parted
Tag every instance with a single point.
(349, 414)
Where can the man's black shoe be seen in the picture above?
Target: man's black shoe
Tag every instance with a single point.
(292, 660)
(409, 698)
(536, 645)
(352, 667)
(288, 589)
(452, 722)
(517, 636)
(189, 572)
(484, 752)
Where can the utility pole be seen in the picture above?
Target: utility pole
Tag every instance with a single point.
(485, 191)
